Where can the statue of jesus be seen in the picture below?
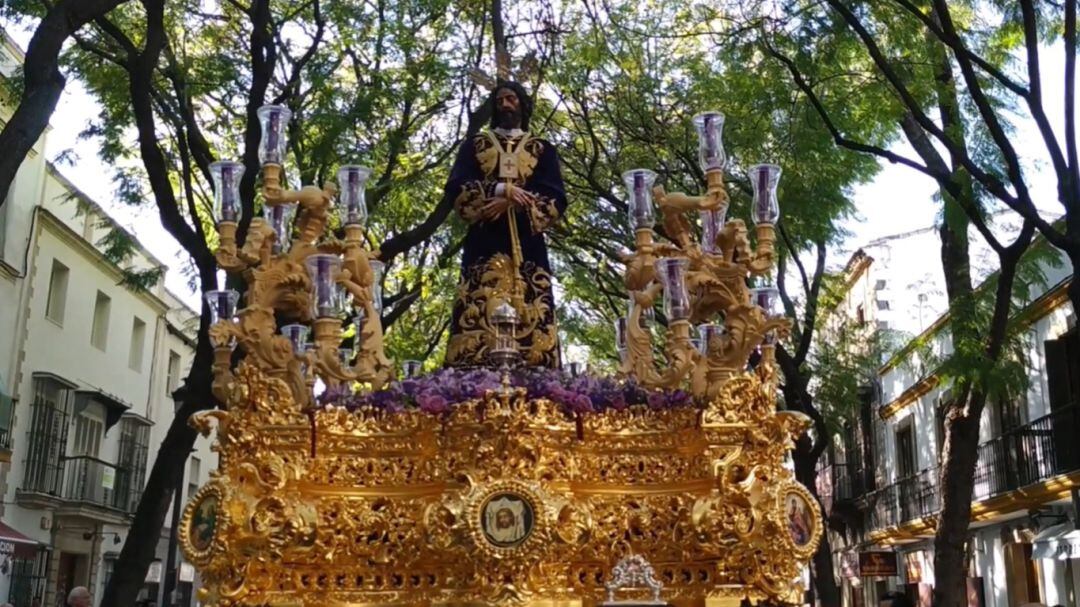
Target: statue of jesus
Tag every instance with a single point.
(507, 185)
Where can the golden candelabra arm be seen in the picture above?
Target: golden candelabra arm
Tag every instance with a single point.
(639, 362)
(314, 205)
(681, 354)
(326, 355)
(372, 365)
(764, 259)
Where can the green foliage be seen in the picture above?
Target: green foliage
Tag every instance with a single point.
(843, 364)
(631, 78)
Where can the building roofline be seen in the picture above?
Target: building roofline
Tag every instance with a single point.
(84, 197)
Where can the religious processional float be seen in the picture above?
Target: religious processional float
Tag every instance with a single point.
(496, 485)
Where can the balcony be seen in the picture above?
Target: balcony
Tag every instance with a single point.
(842, 482)
(1021, 457)
(88, 487)
(911, 497)
(1031, 453)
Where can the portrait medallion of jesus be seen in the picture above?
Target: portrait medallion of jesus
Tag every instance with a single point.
(507, 519)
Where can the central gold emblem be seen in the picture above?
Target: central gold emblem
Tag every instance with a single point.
(507, 519)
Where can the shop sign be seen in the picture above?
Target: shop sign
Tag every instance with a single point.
(878, 564)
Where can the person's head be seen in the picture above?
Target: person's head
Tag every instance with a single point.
(79, 597)
(895, 599)
(35, 602)
(504, 519)
(511, 106)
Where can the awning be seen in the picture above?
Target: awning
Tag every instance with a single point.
(13, 543)
(1060, 542)
(114, 406)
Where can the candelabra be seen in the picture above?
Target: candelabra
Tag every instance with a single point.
(702, 282)
(296, 271)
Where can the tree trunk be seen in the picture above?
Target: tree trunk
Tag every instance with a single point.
(956, 484)
(165, 477)
(823, 575)
(42, 81)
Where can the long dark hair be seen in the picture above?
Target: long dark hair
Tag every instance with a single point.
(525, 102)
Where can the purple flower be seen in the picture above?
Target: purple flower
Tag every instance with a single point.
(581, 403)
(432, 403)
(656, 400)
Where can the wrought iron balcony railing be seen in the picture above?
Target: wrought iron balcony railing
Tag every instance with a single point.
(94, 481)
(1022, 456)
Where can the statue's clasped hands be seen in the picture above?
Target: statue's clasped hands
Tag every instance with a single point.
(498, 205)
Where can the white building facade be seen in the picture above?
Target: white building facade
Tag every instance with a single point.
(880, 486)
(87, 371)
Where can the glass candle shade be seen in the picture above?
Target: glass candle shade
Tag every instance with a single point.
(709, 332)
(352, 179)
(324, 270)
(710, 131)
(297, 336)
(712, 222)
(279, 217)
(671, 271)
(639, 183)
(411, 368)
(343, 301)
(377, 269)
(273, 119)
(768, 299)
(764, 178)
(226, 176)
(222, 305)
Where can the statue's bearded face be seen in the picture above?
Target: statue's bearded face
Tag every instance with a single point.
(507, 109)
(504, 519)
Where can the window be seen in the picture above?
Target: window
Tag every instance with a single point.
(860, 315)
(47, 437)
(99, 332)
(195, 469)
(138, 338)
(172, 375)
(131, 464)
(879, 285)
(882, 304)
(88, 431)
(905, 451)
(58, 283)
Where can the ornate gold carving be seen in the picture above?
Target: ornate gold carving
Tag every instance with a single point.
(484, 290)
(338, 507)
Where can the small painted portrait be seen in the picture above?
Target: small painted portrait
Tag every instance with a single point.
(203, 523)
(507, 520)
(799, 519)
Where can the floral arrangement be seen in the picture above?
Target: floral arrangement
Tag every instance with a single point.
(438, 392)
